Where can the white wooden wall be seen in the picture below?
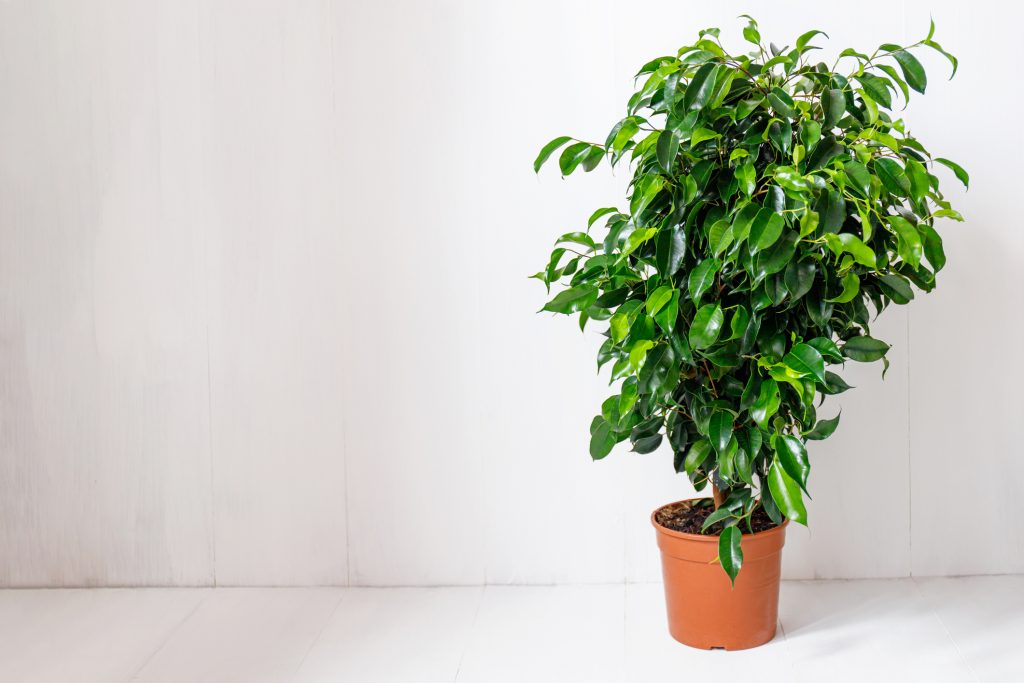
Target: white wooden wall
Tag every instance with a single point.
(264, 315)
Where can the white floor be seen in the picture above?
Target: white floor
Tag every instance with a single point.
(963, 629)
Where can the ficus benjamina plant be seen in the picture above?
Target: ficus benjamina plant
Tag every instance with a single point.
(777, 203)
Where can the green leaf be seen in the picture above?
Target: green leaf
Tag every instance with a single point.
(859, 176)
(707, 324)
(702, 277)
(823, 429)
(833, 105)
(912, 70)
(805, 38)
(572, 300)
(848, 243)
(918, 176)
(635, 239)
(696, 456)
(765, 229)
(572, 156)
(960, 173)
(810, 133)
(827, 150)
(597, 215)
(645, 192)
(700, 87)
(786, 493)
(720, 236)
(670, 249)
(799, 278)
(767, 403)
(893, 176)
(720, 429)
(851, 287)
(702, 135)
(666, 317)
(658, 299)
(781, 102)
(547, 150)
(865, 349)
(896, 288)
(746, 176)
(832, 209)
(806, 360)
(790, 451)
(730, 551)
(602, 440)
(667, 149)
(910, 246)
(778, 256)
(876, 88)
(933, 250)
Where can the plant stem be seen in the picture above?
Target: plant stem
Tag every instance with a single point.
(719, 497)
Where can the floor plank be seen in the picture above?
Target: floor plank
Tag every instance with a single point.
(863, 630)
(429, 626)
(546, 634)
(985, 617)
(248, 635)
(88, 635)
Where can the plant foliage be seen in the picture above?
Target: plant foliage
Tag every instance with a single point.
(775, 204)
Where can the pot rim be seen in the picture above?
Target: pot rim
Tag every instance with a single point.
(702, 538)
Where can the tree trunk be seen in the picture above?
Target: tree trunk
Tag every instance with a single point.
(717, 494)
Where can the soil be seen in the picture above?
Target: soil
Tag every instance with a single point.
(689, 518)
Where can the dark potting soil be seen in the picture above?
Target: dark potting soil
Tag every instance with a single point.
(690, 518)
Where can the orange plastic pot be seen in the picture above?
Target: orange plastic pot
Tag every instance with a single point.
(704, 610)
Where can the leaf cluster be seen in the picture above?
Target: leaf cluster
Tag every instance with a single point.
(776, 206)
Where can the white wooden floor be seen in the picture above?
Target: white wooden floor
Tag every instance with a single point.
(963, 629)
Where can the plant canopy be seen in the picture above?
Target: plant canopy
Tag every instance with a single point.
(776, 204)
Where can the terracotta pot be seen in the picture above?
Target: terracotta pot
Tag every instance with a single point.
(704, 610)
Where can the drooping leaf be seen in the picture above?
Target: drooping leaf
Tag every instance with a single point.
(547, 150)
(730, 551)
(786, 494)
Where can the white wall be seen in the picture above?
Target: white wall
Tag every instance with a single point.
(264, 315)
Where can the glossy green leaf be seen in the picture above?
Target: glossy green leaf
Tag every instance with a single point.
(699, 90)
(958, 170)
(702, 277)
(730, 551)
(786, 493)
(833, 104)
(602, 440)
(911, 248)
(547, 150)
(865, 349)
(823, 429)
(851, 287)
(913, 72)
(720, 429)
(807, 360)
(791, 453)
(848, 243)
(696, 456)
(765, 229)
(706, 326)
(767, 403)
(573, 300)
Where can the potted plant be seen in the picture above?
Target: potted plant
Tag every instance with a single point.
(776, 204)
